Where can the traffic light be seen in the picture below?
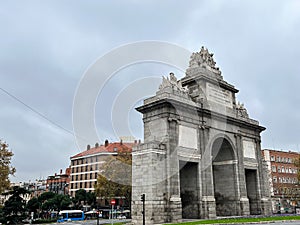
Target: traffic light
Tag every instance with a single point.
(143, 197)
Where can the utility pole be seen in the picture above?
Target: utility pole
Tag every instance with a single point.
(143, 212)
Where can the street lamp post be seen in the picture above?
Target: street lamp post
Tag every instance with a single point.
(97, 217)
(143, 199)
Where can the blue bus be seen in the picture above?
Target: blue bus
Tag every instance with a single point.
(70, 215)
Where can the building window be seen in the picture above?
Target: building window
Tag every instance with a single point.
(115, 149)
(272, 158)
(279, 169)
(278, 159)
(282, 169)
(273, 168)
(280, 180)
(274, 179)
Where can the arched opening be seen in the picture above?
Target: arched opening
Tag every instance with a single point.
(252, 191)
(189, 189)
(224, 177)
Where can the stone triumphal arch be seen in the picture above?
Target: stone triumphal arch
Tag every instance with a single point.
(201, 156)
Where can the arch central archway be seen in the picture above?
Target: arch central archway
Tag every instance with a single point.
(224, 177)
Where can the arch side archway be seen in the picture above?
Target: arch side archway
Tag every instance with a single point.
(224, 162)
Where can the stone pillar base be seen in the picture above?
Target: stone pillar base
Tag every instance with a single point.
(155, 212)
(175, 209)
(266, 206)
(208, 207)
(244, 204)
(255, 207)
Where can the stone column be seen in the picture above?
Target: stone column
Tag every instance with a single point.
(208, 198)
(148, 175)
(244, 201)
(265, 198)
(173, 179)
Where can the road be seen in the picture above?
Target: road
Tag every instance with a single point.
(94, 222)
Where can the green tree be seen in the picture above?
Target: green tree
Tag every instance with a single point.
(58, 202)
(91, 199)
(5, 166)
(115, 180)
(33, 205)
(2, 219)
(43, 202)
(80, 198)
(14, 207)
(45, 196)
(55, 202)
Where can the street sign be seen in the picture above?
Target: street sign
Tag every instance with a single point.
(113, 202)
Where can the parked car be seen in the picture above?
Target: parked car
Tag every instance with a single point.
(121, 217)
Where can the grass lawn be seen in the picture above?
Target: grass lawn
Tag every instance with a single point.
(240, 220)
(117, 223)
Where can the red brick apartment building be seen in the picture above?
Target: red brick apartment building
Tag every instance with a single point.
(59, 183)
(86, 165)
(284, 185)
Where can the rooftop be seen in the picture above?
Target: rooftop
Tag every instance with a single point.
(106, 148)
(281, 151)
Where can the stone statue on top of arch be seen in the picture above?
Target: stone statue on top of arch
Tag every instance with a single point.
(205, 60)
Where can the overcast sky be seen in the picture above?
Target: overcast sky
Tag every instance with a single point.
(47, 46)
